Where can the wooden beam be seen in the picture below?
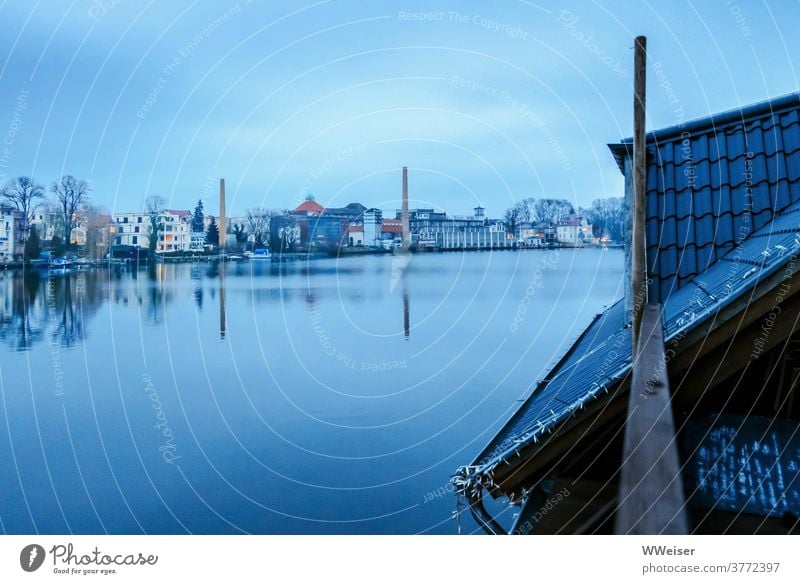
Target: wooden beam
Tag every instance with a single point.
(638, 260)
(651, 497)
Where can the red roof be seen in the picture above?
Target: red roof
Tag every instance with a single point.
(179, 212)
(310, 207)
(392, 226)
(356, 228)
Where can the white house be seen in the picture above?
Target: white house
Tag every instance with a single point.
(134, 229)
(12, 233)
(573, 231)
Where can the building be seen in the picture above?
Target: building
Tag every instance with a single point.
(372, 221)
(722, 238)
(12, 233)
(432, 229)
(573, 231)
(355, 235)
(325, 228)
(133, 229)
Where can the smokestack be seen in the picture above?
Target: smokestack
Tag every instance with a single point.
(223, 221)
(404, 213)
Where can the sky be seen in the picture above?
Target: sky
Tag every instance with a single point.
(486, 103)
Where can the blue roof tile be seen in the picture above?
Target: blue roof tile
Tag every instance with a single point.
(721, 215)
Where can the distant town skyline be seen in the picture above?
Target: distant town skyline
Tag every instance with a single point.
(485, 104)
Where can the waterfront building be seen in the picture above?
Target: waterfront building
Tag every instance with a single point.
(431, 229)
(355, 235)
(12, 233)
(372, 220)
(133, 229)
(573, 231)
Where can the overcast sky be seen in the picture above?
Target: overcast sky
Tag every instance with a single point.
(484, 102)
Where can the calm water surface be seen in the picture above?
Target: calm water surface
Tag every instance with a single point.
(333, 396)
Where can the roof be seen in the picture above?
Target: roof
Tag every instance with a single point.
(355, 229)
(309, 207)
(711, 182)
(351, 210)
(392, 226)
(602, 354)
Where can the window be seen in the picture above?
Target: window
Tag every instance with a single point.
(138, 219)
(135, 239)
(125, 220)
(136, 229)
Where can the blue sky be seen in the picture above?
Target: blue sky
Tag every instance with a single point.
(484, 102)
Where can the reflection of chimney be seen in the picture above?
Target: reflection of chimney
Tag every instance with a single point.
(404, 213)
(223, 221)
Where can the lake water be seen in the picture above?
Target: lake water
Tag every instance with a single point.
(330, 396)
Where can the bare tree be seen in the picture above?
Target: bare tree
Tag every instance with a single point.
(154, 207)
(71, 194)
(258, 220)
(551, 211)
(25, 196)
(511, 219)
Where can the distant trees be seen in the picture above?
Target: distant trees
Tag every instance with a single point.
(258, 225)
(607, 217)
(551, 211)
(511, 219)
(154, 208)
(24, 195)
(71, 194)
(57, 246)
(198, 218)
(240, 233)
(212, 235)
(33, 246)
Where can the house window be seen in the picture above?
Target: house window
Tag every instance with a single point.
(136, 229)
(138, 219)
(125, 220)
(135, 239)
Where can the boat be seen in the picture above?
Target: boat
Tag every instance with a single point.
(258, 254)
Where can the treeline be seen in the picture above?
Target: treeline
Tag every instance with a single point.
(606, 216)
(69, 202)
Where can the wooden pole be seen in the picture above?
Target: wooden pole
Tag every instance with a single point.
(651, 500)
(638, 276)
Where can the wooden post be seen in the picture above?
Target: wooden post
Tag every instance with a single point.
(638, 260)
(651, 497)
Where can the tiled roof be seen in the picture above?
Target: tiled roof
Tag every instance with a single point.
(310, 207)
(602, 354)
(713, 181)
(392, 226)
